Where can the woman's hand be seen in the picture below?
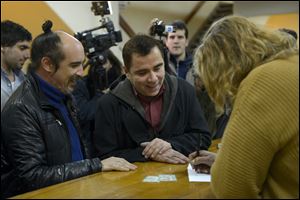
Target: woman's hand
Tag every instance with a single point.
(202, 161)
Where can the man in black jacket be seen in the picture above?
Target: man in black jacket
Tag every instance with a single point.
(41, 143)
(150, 115)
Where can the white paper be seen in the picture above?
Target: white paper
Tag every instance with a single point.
(197, 177)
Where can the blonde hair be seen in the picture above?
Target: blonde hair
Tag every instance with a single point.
(231, 48)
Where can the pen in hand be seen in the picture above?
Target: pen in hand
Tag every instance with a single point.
(199, 144)
(200, 168)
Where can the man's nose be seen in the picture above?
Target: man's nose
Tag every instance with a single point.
(79, 71)
(27, 54)
(176, 39)
(152, 77)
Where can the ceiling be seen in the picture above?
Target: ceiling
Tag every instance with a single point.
(173, 8)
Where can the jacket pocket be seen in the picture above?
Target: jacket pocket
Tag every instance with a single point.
(57, 142)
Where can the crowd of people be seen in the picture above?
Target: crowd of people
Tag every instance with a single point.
(241, 85)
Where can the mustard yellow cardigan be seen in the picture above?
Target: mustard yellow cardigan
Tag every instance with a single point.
(259, 157)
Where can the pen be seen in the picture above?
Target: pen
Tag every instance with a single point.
(199, 144)
(200, 168)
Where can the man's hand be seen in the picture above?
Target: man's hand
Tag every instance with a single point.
(171, 156)
(155, 147)
(115, 163)
(202, 162)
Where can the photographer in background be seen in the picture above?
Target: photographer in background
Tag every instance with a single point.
(180, 60)
(105, 68)
(91, 88)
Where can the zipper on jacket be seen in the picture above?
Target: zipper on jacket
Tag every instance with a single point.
(59, 122)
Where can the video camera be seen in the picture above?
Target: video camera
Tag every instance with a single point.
(160, 29)
(96, 45)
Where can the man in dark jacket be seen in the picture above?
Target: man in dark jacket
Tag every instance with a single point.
(180, 60)
(91, 88)
(41, 143)
(150, 115)
(15, 46)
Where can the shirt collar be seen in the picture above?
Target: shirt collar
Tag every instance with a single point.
(146, 99)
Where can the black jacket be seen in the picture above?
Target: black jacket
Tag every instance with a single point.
(121, 125)
(86, 102)
(36, 144)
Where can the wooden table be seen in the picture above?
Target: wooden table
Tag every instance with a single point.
(120, 185)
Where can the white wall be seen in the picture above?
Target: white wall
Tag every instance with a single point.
(264, 8)
(79, 17)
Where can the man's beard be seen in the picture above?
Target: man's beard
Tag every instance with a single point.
(72, 83)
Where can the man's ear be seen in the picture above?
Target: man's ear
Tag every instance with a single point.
(47, 64)
(126, 70)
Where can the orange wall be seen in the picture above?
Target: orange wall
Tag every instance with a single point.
(290, 21)
(284, 21)
(31, 15)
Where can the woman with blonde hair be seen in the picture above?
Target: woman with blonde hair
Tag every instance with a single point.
(256, 72)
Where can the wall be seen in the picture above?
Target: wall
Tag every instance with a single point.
(69, 16)
(76, 16)
(265, 8)
(31, 15)
(271, 14)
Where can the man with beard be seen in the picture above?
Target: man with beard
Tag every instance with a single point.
(15, 42)
(42, 142)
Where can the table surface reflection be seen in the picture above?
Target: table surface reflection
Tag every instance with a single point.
(122, 185)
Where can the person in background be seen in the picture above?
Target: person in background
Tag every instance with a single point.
(89, 89)
(150, 115)
(41, 137)
(15, 44)
(180, 63)
(290, 31)
(180, 60)
(217, 120)
(257, 73)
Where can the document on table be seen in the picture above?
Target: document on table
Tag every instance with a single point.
(197, 177)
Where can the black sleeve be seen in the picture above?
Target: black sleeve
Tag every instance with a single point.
(85, 103)
(109, 139)
(26, 150)
(196, 131)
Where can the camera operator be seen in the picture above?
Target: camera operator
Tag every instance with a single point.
(104, 69)
(89, 89)
(180, 60)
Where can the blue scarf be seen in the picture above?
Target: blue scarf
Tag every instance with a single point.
(56, 98)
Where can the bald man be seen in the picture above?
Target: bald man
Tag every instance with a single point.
(42, 143)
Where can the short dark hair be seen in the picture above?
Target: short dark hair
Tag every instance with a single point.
(47, 44)
(11, 33)
(289, 31)
(142, 45)
(180, 25)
